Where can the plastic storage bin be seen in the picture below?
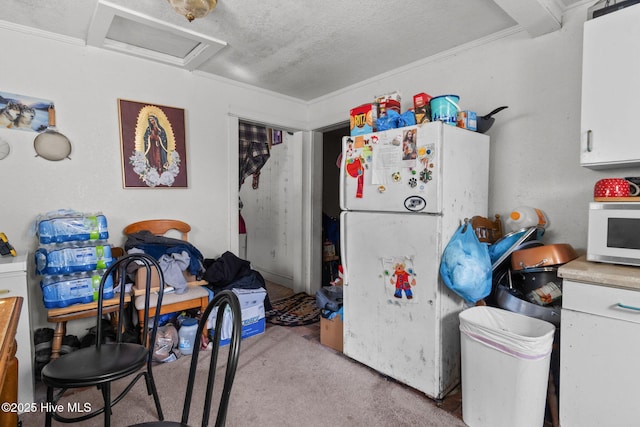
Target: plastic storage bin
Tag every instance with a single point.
(505, 367)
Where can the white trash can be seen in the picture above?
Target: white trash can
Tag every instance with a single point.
(505, 367)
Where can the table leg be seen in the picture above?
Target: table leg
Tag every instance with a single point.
(59, 332)
(9, 392)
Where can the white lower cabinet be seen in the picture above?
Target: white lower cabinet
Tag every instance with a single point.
(599, 356)
(13, 283)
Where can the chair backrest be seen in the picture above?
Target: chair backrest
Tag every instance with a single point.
(118, 273)
(486, 230)
(159, 227)
(221, 300)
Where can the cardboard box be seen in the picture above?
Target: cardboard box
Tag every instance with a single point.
(362, 119)
(388, 101)
(331, 332)
(253, 315)
(253, 323)
(250, 297)
(467, 120)
(421, 107)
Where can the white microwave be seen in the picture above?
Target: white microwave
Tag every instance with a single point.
(614, 233)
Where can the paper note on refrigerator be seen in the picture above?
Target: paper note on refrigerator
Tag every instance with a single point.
(387, 160)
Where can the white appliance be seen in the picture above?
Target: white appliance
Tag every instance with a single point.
(13, 283)
(614, 233)
(403, 193)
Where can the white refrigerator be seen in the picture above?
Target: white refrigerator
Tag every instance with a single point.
(403, 193)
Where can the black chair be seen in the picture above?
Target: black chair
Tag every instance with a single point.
(221, 300)
(100, 364)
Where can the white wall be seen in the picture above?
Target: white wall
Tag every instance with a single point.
(85, 83)
(535, 142)
(268, 213)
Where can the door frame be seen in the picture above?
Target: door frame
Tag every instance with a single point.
(307, 268)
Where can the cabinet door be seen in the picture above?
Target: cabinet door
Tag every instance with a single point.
(599, 371)
(610, 90)
(13, 283)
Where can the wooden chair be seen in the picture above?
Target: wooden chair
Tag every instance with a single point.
(487, 231)
(195, 297)
(103, 363)
(223, 299)
(60, 316)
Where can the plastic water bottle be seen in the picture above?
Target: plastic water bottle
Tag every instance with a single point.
(526, 216)
(187, 335)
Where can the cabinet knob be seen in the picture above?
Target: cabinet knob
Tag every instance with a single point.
(589, 140)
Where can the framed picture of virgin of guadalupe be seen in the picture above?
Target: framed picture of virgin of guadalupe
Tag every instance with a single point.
(152, 145)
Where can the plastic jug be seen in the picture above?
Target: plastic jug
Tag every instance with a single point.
(187, 335)
(526, 216)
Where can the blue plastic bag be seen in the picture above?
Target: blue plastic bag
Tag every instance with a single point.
(465, 266)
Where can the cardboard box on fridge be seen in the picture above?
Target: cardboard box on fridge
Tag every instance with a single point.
(331, 332)
(253, 315)
(388, 101)
(362, 119)
(467, 120)
(421, 107)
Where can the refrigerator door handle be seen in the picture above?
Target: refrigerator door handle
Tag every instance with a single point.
(343, 249)
(341, 180)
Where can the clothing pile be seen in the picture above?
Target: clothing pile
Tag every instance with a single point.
(229, 272)
(173, 255)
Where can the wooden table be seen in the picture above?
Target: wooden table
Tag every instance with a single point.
(9, 315)
(60, 316)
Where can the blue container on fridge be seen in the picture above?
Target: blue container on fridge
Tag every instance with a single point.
(445, 109)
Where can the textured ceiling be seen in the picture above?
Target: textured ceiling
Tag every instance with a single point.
(303, 49)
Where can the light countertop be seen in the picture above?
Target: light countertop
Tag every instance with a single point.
(11, 264)
(613, 275)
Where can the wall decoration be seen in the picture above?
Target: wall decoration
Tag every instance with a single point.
(152, 144)
(5, 149)
(276, 137)
(399, 277)
(24, 113)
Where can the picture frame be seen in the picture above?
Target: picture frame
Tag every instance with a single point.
(25, 113)
(152, 145)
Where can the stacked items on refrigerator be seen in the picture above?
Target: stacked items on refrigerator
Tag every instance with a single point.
(72, 256)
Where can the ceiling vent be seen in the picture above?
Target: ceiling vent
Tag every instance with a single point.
(117, 28)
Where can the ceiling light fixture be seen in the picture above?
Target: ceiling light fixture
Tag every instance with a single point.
(192, 9)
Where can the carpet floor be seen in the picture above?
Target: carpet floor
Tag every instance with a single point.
(285, 378)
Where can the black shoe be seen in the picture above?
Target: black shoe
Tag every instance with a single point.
(43, 340)
(69, 343)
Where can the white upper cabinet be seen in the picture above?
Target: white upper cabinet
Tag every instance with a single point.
(610, 128)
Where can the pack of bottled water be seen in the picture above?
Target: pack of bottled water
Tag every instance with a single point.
(70, 226)
(60, 291)
(72, 257)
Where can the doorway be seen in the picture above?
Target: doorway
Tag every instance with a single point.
(330, 209)
(306, 168)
